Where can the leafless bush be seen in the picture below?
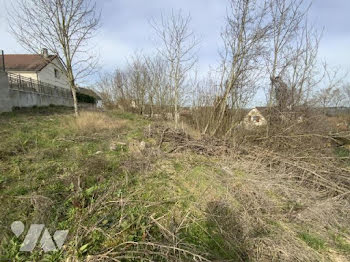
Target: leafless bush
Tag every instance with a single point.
(143, 87)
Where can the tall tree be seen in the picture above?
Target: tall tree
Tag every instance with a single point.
(244, 37)
(291, 43)
(64, 27)
(178, 49)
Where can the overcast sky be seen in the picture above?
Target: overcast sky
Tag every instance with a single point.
(125, 28)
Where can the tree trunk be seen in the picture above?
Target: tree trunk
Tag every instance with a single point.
(74, 94)
(176, 114)
(222, 108)
(75, 101)
(175, 105)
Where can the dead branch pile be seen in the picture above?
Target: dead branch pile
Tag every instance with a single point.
(306, 159)
(292, 183)
(180, 141)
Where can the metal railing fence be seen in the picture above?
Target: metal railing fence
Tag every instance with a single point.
(20, 83)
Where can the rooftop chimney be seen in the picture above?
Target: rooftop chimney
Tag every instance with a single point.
(45, 52)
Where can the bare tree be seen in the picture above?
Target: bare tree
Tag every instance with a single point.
(158, 95)
(138, 81)
(64, 27)
(106, 90)
(292, 60)
(178, 49)
(301, 75)
(304, 73)
(331, 95)
(204, 96)
(346, 92)
(286, 17)
(244, 38)
(142, 85)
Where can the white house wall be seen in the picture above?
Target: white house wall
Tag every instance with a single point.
(47, 75)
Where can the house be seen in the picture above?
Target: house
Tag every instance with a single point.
(255, 117)
(42, 68)
(39, 80)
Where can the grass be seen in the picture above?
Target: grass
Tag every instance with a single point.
(53, 175)
(342, 152)
(313, 241)
(47, 158)
(60, 171)
(342, 244)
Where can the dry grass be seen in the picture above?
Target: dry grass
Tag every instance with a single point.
(280, 204)
(94, 122)
(291, 195)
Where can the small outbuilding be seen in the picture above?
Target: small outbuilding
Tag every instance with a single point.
(88, 98)
(255, 118)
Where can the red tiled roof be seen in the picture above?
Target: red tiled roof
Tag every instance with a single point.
(27, 62)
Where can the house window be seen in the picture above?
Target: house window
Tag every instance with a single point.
(57, 73)
(256, 119)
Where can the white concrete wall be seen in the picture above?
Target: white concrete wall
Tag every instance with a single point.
(29, 99)
(10, 98)
(47, 75)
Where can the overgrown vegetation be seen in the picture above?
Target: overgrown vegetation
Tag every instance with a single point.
(129, 189)
(134, 188)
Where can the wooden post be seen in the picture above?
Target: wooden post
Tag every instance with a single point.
(3, 60)
(19, 82)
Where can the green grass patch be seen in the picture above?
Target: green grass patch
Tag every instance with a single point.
(313, 241)
(342, 152)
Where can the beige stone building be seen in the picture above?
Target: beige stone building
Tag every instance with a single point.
(255, 118)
